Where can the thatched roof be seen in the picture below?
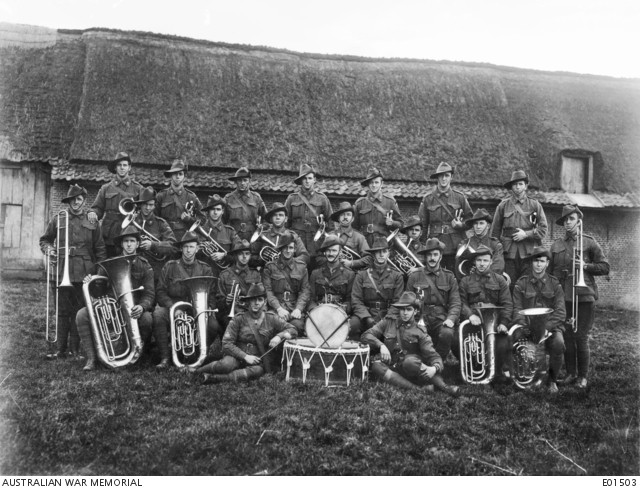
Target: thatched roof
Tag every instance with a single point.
(96, 92)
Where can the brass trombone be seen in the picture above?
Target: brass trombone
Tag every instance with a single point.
(579, 286)
(129, 209)
(53, 271)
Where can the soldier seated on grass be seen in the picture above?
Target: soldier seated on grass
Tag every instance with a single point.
(407, 358)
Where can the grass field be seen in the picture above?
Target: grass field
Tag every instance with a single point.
(57, 419)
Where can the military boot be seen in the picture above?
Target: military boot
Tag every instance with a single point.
(439, 383)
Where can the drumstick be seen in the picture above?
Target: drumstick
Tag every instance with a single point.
(337, 328)
(270, 349)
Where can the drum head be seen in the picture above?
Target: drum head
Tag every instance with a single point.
(327, 326)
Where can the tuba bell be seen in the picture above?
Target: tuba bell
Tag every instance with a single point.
(528, 363)
(401, 258)
(477, 346)
(189, 323)
(115, 333)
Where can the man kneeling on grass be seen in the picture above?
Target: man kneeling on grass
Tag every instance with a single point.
(246, 353)
(407, 358)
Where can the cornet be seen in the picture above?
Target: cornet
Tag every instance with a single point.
(268, 253)
(235, 291)
(403, 260)
(321, 231)
(53, 271)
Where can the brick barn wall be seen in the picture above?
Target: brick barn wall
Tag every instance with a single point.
(617, 232)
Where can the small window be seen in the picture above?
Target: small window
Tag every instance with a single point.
(576, 174)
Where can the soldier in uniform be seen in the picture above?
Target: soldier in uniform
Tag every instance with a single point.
(158, 251)
(376, 214)
(520, 224)
(244, 206)
(86, 248)
(438, 289)
(576, 336)
(239, 275)
(412, 228)
(407, 358)
(306, 209)
(224, 235)
(443, 211)
(541, 290)
(350, 238)
(374, 289)
(480, 224)
(277, 217)
(106, 204)
(144, 299)
(248, 342)
(286, 281)
(333, 282)
(179, 206)
(170, 289)
(483, 285)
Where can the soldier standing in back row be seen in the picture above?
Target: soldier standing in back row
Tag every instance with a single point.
(376, 214)
(244, 206)
(520, 224)
(306, 209)
(443, 211)
(179, 206)
(107, 202)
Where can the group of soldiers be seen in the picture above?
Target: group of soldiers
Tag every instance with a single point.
(274, 265)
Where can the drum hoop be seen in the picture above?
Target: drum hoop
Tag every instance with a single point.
(358, 349)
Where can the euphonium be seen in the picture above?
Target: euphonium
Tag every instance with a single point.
(403, 259)
(189, 323)
(209, 246)
(129, 209)
(53, 271)
(527, 362)
(477, 346)
(115, 333)
(268, 253)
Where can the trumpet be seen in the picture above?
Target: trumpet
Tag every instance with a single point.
(115, 332)
(190, 208)
(235, 291)
(130, 211)
(477, 346)
(189, 323)
(268, 253)
(403, 260)
(527, 363)
(210, 247)
(53, 271)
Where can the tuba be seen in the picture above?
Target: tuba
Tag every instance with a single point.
(189, 323)
(115, 333)
(477, 346)
(53, 272)
(268, 253)
(129, 209)
(403, 259)
(209, 246)
(528, 364)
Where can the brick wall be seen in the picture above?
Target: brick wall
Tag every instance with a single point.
(618, 233)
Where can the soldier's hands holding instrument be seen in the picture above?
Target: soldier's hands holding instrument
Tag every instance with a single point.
(502, 329)
(519, 235)
(145, 244)
(282, 313)
(92, 217)
(475, 320)
(252, 360)
(136, 312)
(457, 221)
(385, 355)
(389, 219)
(296, 314)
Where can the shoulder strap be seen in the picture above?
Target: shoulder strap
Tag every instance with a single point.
(256, 335)
(379, 207)
(306, 201)
(242, 203)
(374, 284)
(399, 337)
(444, 206)
(435, 290)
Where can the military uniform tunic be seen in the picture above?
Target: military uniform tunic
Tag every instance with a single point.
(332, 286)
(494, 245)
(107, 202)
(275, 236)
(287, 284)
(303, 221)
(489, 287)
(545, 292)
(170, 289)
(171, 203)
(243, 209)
(242, 276)
(365, 299)
(507, 219)
(370, 220)
(436, 218)
(224, 235)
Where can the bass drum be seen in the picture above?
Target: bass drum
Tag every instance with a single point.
(327, 326)
(349, 362)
